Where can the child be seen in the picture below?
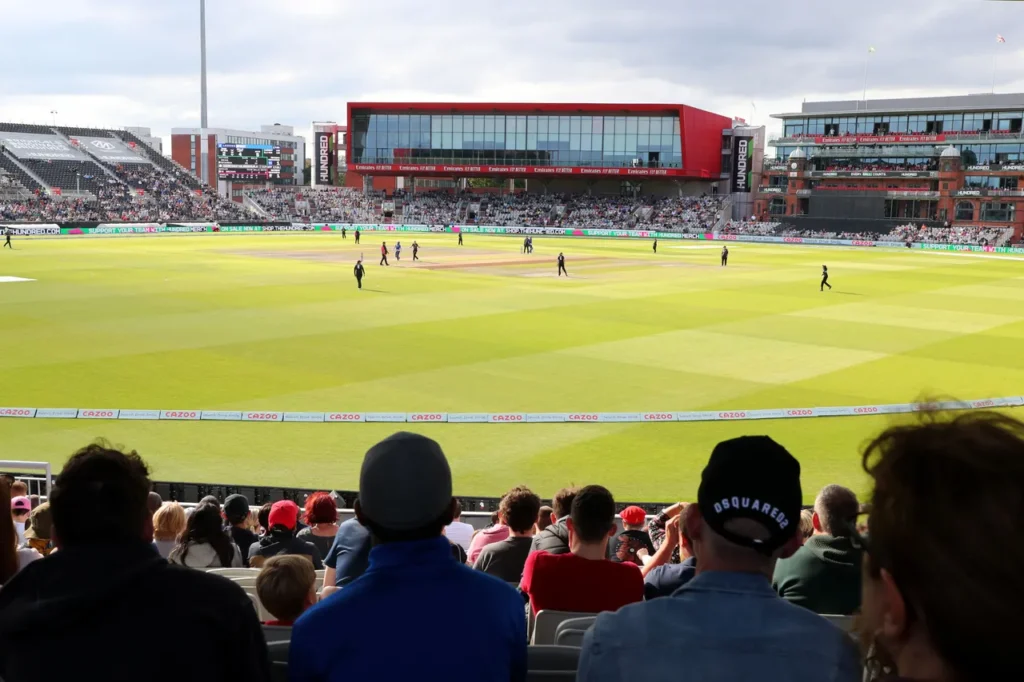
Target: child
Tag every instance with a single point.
(286, 587)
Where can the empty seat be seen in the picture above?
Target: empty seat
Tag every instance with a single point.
(549, 663)
(546, 622)
(278, 653)
(570, 632)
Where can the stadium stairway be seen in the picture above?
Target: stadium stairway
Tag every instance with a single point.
(163, 162)
(63, 133)
(26, 177)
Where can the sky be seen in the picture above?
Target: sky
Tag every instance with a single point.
(116, 63)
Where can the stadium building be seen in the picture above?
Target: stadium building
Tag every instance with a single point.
(650, 149)
(234, 161)
(328, 164)
(867, 165)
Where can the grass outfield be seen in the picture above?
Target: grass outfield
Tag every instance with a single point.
(275, 322)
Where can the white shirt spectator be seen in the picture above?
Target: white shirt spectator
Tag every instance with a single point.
(460, 533)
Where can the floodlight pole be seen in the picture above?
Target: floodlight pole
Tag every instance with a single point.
(202, 62)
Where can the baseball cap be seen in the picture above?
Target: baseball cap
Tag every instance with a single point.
(236, 506)
(284, 513)
(633, 515)
(21, 504)
(752, 477)
(405, 482)
(40, 523)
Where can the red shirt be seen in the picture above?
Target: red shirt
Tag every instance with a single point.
(566, 582)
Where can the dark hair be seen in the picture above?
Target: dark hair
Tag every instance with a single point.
(458, 508)
(959, 479)
(153, 502)
(520, 507)
(593, 513)
(204, 527)
(561, 503)
(211, 499)
(837, 509)
(386, 535)
(263, 516)
(8, 535)
(544, 517)
(320, 508)
(495, 518)
(100, 497)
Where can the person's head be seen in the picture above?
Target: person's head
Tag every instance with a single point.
(40, 523)
(935, 610)
(33, 500)
(8, 536)
(19, 489)
(544, 516)
(154, 502)
(211, 499)
(263, 517)
(748, 507)
(405, 489)
(633, 518)
(591, 520)
(20, 508)
(283, 518)
(286, 586)
(204, 527)
(806, 523)
(100, 497)
(835, 511)
(561, 503)
(321, 509)
(236, 509)
(520, 506)
(168, 521)
(457, 513)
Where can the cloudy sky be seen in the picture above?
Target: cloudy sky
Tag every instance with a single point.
(116, 63)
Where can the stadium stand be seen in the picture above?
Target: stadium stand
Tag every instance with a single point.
(917, 471)
(18, 174)
(68, 175)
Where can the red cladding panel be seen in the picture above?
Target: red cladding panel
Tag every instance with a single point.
(702, 140)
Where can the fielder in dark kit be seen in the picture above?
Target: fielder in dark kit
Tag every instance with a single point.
(7, 242)
(725, 255)
(357, 236)
(359, 272)
(824, 278)
(460, 238)
(655, 245)
(561, 266)
(343, 232)
(415, 251)
(384, 254)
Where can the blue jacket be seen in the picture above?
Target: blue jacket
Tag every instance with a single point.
(720, 627)
(398, 621)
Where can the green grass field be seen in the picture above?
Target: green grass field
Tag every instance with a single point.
(275, 322)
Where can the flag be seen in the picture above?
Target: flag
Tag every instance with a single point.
(871, 50)
(1000, 39)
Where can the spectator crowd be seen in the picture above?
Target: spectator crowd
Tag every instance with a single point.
(909, 233)
(743, 583)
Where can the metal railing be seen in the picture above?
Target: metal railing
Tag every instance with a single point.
(42, 483)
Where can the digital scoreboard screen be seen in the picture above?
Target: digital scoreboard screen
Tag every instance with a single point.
(248, 162)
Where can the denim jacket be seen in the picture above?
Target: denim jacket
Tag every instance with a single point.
(721, 626)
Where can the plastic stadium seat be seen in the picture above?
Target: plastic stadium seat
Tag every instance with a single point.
(235, 572)
(551, 663)
(246, 581)
(277, 633)
(320, 575)
(546, 623)
(278, 652)
(570, 632)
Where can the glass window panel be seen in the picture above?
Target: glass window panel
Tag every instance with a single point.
(597, 126)
(630, 143)
(574, 141)
(563, 125)
(520, 141)
(542, 126)
(655, 127)
(531, 141)
(403, 139)
(446, 140)
(675, 125)
(392, 122)
(631, 123)
(489, 125)
(457, 123)
(575, 125)
(619, 142)
(435, 124)
(643, 126)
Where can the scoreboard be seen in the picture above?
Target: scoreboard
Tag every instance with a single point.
(248, 161)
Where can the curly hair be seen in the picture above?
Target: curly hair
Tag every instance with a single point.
(519, 508)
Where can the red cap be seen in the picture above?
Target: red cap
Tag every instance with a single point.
(284, 513)
(634, 515)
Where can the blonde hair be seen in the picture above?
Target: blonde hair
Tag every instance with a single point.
(168, 521)
(806, 523)
(284, 584)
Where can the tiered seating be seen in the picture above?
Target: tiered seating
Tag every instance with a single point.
(18, 174)
(63, 174)
(145, 150)
(25, 128)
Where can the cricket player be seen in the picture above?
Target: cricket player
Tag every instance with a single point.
(384, 254)
(561, 265)
(725, 255)
(824, 278)
(359, 272)
(415, 250)
(7, 242)
(398, 251)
